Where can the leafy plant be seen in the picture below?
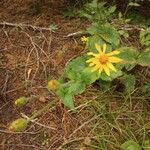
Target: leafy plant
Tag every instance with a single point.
(105, 60)
(145, 37)
(97, 11)
(130, 145)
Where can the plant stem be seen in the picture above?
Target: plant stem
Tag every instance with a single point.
(39, 112)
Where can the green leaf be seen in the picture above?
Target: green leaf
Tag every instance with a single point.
(76, 88)
(66, 98)
(129, 56)
(145, 37)
(88, 77)
(68, 101)
(75, 67)
(129, 82)
(112, 9)
(130, 145)
(91, 42)
(146, 145)
(144, 58)
(113, 75)
(109, 34)
(93, 29)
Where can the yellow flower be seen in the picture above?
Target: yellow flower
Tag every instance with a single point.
(84, 39)
(18, 125)
(53, 85)
(103, 61)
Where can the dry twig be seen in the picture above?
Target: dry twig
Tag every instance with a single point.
(21, 25)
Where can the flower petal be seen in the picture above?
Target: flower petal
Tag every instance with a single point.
(106, 69)
(104, 48)
(95, 68)
(114, 59)
(110, 65)
(116, 52)
(91, 64)
(93, 54)
(98, 48)
(90, 60)
(100, 70)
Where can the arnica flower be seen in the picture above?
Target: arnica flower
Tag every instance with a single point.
(53, 85)
(103, 61)
(84, 39)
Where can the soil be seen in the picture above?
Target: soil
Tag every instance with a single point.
(28, 57)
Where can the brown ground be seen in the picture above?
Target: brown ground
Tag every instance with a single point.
(28, 57)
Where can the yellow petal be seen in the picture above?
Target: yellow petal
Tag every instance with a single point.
(93, 60)
(92, 54)
(114, 60)
(98, 48)
(110, 65)
(91, 64)
(100, 70)
(90, 60)
(116, 52)
(95, 68)
(106, 69)
(104, 48)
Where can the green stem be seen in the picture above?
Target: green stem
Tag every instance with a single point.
(39, 112)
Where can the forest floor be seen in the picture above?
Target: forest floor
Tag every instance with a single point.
(29, 55)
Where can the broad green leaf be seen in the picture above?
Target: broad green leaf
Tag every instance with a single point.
(113, 75)
(76, 88)
(144, 58)
(105, 77)
(112, 9)
(145, 37)
(93, 29)
(130, 145)
(75, 67)
(109, 34)
(129, 55)
(65, 97)
(129, 82)
(88, 77)
(68, 101)
(92, 41)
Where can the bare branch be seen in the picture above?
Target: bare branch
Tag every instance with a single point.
(20, 25)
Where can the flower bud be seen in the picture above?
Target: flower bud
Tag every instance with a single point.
(53, 85)
(84, 39)
(18, 125)
(21, 101)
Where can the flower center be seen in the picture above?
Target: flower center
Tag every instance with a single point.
(103, 59)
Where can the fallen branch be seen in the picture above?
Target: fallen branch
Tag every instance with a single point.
(78, 33)
(20, 25)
